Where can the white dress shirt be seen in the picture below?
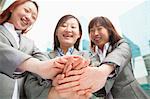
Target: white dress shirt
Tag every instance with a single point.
(102, 54)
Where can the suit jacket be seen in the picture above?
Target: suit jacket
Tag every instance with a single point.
(26, 46)
(38, 88)
(123, 85)
(10, 63)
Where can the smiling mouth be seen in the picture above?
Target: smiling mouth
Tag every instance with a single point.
(67, 36)
(24, 21)
(97, 38)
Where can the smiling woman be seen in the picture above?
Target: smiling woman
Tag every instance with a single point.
(17, 19)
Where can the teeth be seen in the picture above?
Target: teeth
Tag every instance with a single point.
(24, 20)
(98, 38)
(68, 35)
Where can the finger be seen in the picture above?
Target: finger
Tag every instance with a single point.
(69, 79)
(75, 72)
(68, 69)
(67, 85)
(76, 88)
(62, 76)
(88, 94)
(61, 60)
(68, 65)
(64, 90)
(77, 61)
(58, 65)
(55, 80)
(83, 64)
(81, 92)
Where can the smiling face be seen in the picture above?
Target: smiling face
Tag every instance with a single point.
(24, 15)
(99, 35)
(68, 33)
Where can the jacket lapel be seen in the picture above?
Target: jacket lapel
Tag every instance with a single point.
(9, 36)
(52, 54)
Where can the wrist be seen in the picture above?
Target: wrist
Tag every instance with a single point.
(31, 65)
(107, 69)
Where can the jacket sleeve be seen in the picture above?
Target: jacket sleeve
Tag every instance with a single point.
(120, 56)
(36, 87)
(10, 59)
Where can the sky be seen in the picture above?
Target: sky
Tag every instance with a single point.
(50, 11)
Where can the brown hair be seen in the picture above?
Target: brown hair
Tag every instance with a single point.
(6, 14)
(60, 22)
(106, 23)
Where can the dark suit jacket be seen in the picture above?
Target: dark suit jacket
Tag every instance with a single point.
(28, 47)
(123, 85)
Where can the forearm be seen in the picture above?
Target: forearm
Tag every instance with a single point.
(107, 69)
(31, 65)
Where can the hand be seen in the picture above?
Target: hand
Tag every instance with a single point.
(49, 69)
(85, 79)
(76, 62)
(54, 94)
(66, 95)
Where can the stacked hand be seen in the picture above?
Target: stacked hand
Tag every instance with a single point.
(78, 79)
(84, 81)
(73, 63)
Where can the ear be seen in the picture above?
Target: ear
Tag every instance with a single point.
(79, 35)
(56, 33)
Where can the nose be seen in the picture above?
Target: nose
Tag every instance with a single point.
(29, 18)
(96, 32)
(68, 29)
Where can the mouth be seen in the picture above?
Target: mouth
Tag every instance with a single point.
(24, 21)
(67, 36)
(97, 38)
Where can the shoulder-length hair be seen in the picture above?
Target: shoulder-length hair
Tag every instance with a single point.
(6, 14)
(107, 24)
(60, 22)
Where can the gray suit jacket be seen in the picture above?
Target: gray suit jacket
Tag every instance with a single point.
(8, 64)
(26, 46)
(38, 88)
(123, 85)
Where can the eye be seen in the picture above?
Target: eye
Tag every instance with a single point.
(64, 25)
(33, 17)
(73, 26)
(92, 30)
(26, 10)
(99, 28)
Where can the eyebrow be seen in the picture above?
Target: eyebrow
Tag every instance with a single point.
(31, 11)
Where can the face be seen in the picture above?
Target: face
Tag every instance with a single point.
(99, 35)
(24, 15)
(68, 32)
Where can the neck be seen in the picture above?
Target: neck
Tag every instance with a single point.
(64, 48)
(101, 48)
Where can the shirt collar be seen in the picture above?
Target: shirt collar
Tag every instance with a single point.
(102, 54)
(106, 46)
(11, 27)
(61, 53)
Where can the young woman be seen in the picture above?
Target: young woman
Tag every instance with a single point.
(67, 37)
(14, 22)
(111, 76)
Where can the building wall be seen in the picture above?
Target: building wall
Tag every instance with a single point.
(135, 25)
